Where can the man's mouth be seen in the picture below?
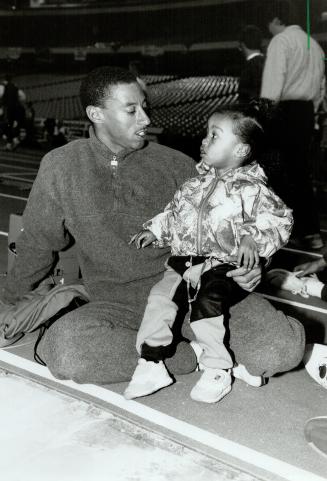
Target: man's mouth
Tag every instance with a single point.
(141, 133)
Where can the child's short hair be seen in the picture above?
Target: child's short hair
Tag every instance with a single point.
(250, 124)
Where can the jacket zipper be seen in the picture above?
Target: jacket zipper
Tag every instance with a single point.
(114, 169)
(114, 165)
(202, 206)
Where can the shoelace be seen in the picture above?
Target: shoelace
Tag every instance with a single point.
(303, 291)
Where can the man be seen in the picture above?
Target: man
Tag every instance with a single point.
(294, 76)
(251, 74)
(99, 191)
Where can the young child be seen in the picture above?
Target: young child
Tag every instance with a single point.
(227, 216)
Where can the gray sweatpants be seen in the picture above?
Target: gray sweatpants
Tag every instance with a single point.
(94, 343)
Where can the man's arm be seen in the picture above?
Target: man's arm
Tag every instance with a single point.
(43, 234)
(247, 280)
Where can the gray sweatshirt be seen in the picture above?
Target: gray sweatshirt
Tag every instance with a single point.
(80, 193)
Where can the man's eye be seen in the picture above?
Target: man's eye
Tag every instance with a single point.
(131, 111)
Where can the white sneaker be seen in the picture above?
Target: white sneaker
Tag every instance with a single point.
(148, 378)
(288, 281)
(240, 372)
(212, 386)
(315, 361)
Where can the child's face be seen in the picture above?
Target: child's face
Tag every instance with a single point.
(221, 147)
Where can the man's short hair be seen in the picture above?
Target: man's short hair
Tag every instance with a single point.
(95, 87)
(251, 36)
(278, 9)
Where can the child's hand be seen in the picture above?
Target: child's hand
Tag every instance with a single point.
(248, 256)
(143, 238)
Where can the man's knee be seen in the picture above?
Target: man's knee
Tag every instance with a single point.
(264, 339)
(63, 359)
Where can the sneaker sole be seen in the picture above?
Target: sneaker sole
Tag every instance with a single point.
(212, 400)
(145, 392)
(255, 383)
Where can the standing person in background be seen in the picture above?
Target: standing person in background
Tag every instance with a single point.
(294, 76)
(12, 99)
(251, 74)
(30, 131)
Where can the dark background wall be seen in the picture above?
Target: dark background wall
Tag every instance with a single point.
(39, 31)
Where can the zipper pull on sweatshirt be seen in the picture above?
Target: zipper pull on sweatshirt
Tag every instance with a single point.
(114, 165)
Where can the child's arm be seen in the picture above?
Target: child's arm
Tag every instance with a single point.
(161, 224)
(247, 255)
(267, 219)
(143, 238)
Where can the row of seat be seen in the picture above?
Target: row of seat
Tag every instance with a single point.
(189, 120)
(44, 87)
(180, 106)
(191, 89)
(67, 108)
(38, 81)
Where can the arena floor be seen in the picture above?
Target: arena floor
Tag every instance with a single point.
(76, 432)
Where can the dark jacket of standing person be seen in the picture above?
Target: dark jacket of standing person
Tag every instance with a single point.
(251, 74)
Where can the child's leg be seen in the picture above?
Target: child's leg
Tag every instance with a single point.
(154, 334)
(216, 294)
(210, 333)
(159, 316)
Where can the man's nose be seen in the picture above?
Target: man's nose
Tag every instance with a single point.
(143, 118)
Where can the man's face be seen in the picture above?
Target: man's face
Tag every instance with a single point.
(124, 121)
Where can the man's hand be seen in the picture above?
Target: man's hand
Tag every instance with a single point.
(247, 280)
(247, 256)
(143, 238)
(308, 268)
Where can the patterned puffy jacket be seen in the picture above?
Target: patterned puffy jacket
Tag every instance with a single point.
(210, 213)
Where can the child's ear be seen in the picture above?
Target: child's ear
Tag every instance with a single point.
(242, 150)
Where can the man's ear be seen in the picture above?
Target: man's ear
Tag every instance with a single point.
(242, 150)
(94, 114)
(276, 21)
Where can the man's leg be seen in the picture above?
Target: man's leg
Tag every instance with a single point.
(264, 339)
(93, 344)
(296, 136)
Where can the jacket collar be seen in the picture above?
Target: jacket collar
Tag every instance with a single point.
(103, 150)
(252, 170)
